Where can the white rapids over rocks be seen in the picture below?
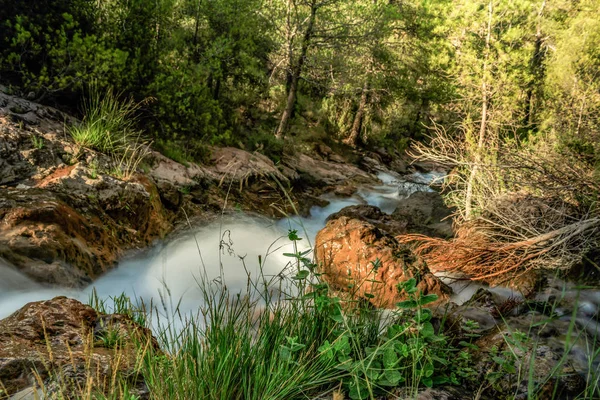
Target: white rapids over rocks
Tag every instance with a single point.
(229, 249)
(171, 270)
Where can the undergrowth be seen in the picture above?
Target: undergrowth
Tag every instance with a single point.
(109, 126)
(290, 337)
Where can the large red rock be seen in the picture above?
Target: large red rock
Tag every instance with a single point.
(347, 251)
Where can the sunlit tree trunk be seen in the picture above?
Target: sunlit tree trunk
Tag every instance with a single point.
(352, 139)
(296, 72)
(536, 69)
(484, 114)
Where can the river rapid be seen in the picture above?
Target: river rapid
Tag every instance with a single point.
(231, 249)
(227, 249)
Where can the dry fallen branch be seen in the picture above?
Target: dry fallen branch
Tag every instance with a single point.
(474, 254)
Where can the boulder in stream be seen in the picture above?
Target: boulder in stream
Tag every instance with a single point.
(374, 216)
(64, 217)
(356, 256)
(425, 213)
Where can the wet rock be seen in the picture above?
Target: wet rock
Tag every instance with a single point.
(307, 201)
(372, 163)
(69, 228)
(55, 340)
(344, 191)
(425, 213)
(170, 195)
(372, 215)
(320, 173)
(552, 376)
(526, 283)
(30, 393)
(358, 257)
(46, 238)
(66, 224)
(239, 167)
(399, 165)
(165, 170)
(323, 150)
(337, 159)
(438, 393)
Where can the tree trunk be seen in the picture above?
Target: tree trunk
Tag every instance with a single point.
(296, 71)
(483, 125)
(352, 139)
(195, 52)
(537, 72)
(217, 89)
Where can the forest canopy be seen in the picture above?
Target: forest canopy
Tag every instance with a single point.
(503, 93)
(231, 71)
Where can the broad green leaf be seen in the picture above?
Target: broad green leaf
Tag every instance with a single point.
(430, 298)
(407, 304)
(372, 374)
(393, 376)
(427, 330)
(303, 274)
(390, 358)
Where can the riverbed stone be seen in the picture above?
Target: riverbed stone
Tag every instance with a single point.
(425, 213)
(64, 218)
(531, 359)
(320, 173)
(59, 342)
(374, 216)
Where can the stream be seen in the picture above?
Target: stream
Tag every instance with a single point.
(230, 248)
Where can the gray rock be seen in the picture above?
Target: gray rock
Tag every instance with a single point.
(425, 213)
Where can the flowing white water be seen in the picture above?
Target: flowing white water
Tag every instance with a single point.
(238, 247)
(230, 247)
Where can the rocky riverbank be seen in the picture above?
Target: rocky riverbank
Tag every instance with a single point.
(66, 218)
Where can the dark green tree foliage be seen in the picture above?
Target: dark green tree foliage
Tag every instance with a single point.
(53, 47)
(137, 27)
(211, 70)
(242, 72)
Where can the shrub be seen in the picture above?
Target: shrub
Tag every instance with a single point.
(51, 47)
(109, 126)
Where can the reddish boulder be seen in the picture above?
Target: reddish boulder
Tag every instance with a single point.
(374, 216)
(355, 255)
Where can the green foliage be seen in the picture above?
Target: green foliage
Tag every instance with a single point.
(184, 107)
(111, 338)
(408, 353)
(52, 47)
(37, 142)
(184, 153)
(109, 126)
(265, 143)
(120, 304)
(258, 345)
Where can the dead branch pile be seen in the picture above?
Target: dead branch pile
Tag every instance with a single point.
(519, 207)
(518, 232)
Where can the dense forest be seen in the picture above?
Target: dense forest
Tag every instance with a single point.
(502, 96)
(503, 93)
(246, 72)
